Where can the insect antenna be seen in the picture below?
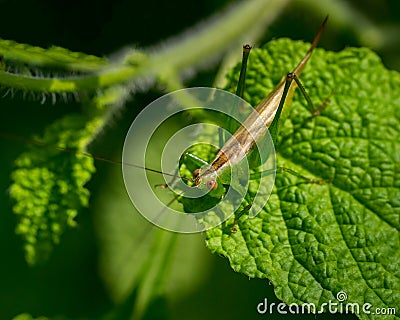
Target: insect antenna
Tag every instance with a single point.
(87, 154)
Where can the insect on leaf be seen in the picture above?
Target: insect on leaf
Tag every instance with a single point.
(313, 241)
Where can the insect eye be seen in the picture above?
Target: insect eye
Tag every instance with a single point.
(196, 172)
(212, 184)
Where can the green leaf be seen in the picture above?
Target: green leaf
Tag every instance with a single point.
(50, 178)
(17, 53)
(48, 185)
(132, 68)
(313, 241)
(26, 316)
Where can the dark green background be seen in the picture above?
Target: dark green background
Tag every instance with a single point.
(70, 284)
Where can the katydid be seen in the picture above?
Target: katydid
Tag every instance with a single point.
(256, 125)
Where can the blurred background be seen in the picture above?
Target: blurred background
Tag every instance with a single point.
(104, 267)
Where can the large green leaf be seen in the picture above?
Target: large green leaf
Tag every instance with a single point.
(314, 241)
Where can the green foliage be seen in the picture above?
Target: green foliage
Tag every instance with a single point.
(313, 241)
(131, 68)
(48, 190)
(54, 57)
(48, 187)
(25, 316)
(291, 243)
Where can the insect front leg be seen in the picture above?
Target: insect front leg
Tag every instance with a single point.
(243, 69)
(231, 126)
(237, 217)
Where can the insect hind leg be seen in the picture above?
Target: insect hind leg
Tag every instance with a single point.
(315, 111)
